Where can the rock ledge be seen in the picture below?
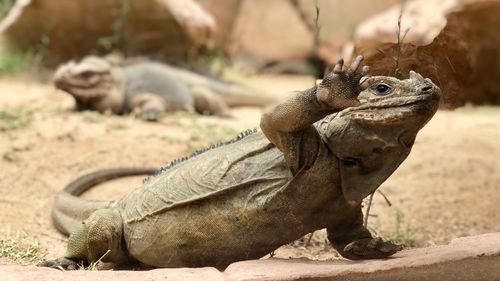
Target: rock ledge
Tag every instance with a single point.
(470, 258)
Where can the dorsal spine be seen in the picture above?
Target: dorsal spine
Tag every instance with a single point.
(202, 150)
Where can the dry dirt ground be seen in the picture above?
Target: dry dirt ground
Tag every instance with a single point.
(448, 187)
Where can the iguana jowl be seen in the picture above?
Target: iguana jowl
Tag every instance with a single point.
(318, 155)
(150, 89)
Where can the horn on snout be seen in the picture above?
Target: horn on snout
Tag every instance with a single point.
(416, 76)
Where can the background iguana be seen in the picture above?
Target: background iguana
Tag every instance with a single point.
(318, 155)
(149, 88)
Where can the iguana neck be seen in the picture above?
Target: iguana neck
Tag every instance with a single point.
(115, 99)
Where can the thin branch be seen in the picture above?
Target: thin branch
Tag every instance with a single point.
(317, 26)
(385, 198)
(368, 209)
(397, 66)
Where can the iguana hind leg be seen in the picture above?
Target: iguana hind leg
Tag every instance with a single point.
(208, 102)
(99, 238)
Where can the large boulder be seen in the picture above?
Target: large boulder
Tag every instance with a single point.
(225, 13)
(62, 30)
(264, 32)
(269, 31)
(454, 42)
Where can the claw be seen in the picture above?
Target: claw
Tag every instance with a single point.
(389, 248)
(62, 264)
(355, 64)
(371, 248)
(338, 66)
(365, 70)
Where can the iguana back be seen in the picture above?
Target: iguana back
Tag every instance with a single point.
(149, 77)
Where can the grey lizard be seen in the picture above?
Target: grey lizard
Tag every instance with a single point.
(149, 89)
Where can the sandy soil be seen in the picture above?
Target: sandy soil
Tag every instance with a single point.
(448, 187)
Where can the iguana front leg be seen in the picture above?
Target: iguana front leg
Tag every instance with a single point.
(289, 125)
(353, 241)
(148, 107)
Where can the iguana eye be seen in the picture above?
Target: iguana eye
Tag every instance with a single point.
(382, 89)
(86, 74)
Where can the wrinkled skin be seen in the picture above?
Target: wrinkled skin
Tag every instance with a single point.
(318, 155)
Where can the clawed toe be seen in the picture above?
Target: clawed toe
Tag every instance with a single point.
(62, 264)
(372, 248)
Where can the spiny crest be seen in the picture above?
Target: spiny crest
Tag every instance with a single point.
(202, 150)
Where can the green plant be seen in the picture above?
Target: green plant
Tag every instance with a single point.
(15, 118)
(14, 62)
(215, 60)
(402, 234)
(396, 58)
(118, 36)
(20, 248)
(93, 116)
(5, 6)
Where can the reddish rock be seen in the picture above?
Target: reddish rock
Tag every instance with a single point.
(466, 259)
(31, 273)
(331, 50)
(270, 31)
(225, 13)
(475, 258)
(339, 18)
(253, 30)
(455, 43)
(63, 30)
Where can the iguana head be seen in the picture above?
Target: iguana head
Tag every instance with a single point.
(372, 139)
(88, 81)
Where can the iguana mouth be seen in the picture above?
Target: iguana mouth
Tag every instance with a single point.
(398, 101)
(401, 105)
(89, 91)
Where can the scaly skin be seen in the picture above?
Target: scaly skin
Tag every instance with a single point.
(318, 155)
(149, 89)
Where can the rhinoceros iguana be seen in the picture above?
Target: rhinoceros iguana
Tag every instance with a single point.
(149, 89)
(318, 155)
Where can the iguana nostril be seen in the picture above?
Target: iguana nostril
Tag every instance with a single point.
(426, 89)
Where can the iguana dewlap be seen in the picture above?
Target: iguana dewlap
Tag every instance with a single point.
(149, 89)
(318, 155)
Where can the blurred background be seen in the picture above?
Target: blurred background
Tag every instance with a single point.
(449, 186)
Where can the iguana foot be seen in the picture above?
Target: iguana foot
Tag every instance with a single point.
(151, 114)
(370, 248)
(340, 88)
(62, 264)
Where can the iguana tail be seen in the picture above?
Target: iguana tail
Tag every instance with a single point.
(69, 210)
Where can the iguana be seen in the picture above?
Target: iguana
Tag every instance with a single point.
(317, 156)
(149, 89)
